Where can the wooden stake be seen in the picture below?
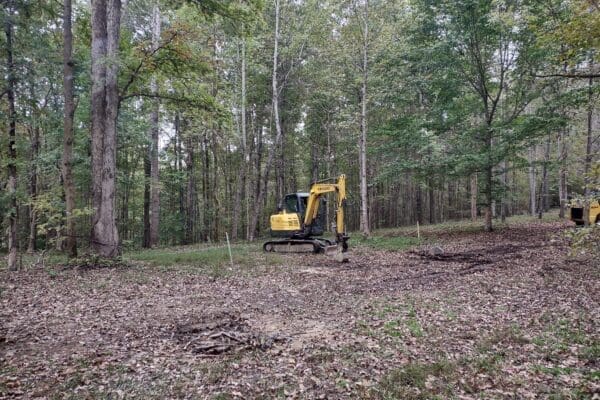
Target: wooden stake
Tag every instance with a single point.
(229, 248)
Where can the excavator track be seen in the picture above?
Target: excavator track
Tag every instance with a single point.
(315, 245)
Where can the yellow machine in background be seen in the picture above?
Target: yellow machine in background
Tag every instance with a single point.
(577, 211)
(301, 220)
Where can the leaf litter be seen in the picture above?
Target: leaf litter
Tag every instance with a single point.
(505, 314)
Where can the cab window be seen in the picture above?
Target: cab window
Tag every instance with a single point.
(291, 204)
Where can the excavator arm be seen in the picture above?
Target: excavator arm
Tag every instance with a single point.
(312, 207)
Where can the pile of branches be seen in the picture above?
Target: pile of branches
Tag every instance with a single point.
(222, 333)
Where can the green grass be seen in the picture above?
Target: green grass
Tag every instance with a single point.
(391, 243)
(461, 226)
(401, 319)
(409, 382)
(212, 260)
(27, 261)
(405, 238)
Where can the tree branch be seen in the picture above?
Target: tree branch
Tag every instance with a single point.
(570, 75)
(162, 96)
(147, 55)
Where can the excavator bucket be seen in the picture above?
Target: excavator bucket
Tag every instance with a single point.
(336, 252)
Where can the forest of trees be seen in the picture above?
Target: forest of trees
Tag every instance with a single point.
(129, 123)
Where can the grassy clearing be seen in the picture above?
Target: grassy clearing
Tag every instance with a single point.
(462, 226)
(405, 238)
(390, 243)
(27, 261)
(212, 260)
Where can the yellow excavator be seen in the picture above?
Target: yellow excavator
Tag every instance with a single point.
(300, 221)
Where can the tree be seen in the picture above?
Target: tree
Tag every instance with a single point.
(105, 101)
(69, 113)
(362, 146)
(12, 132)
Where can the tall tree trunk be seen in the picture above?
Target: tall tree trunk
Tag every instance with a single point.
(562, 171)
(314, 162)
(147, 179)
(207, 207)
(179, 167)
(154, 123)
(503, 201)
(278, 145)
(544, 201)
(362, 147)
(431, 199)
(191, 199)
(12, 150)
(105, 45)
(489, 169)
(562, 157)
(419, 203)
(328, 169)
(532, 180)
(214, 184)
(68, 135)
(474, 190)
(33, 189)
(588, 152)
(241, 178)
(280, 178)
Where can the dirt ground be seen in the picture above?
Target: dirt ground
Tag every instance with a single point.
(505, 314)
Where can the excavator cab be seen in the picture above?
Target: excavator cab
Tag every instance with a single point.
(289, 221)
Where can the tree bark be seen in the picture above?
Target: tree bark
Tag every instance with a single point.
(474, 190)
(562, 171)
(68, 135)
(275, 88)
(12, 151)
(587, 166)
(544, 201)
(431, 199)
(191, 199)
(147, 182)
(105, 45)
(532, 179)
(241, 178)
(362, 146)
(419, 203)
(179, 161)
(489, 169)
(33, 188)
(503, 201)
(155, 129)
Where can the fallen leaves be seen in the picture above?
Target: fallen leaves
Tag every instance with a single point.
(502, 314)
